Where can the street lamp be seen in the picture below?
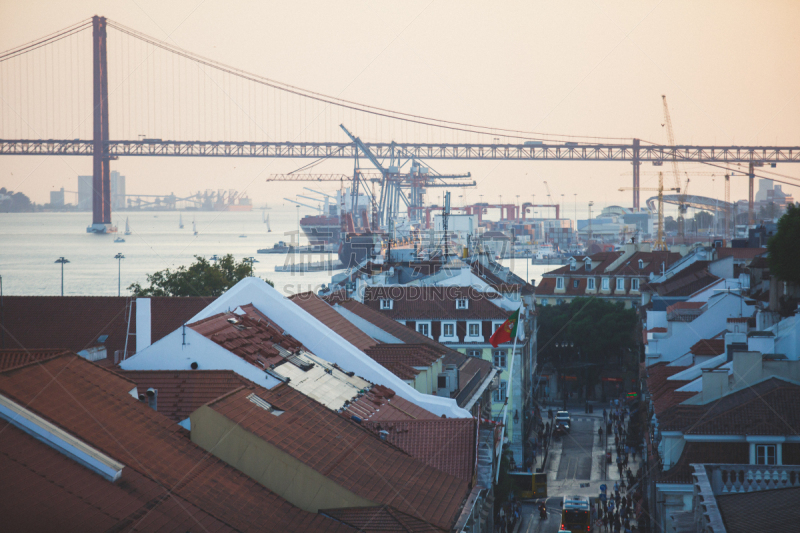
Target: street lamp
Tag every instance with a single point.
(119, 257)
(250, 260)
(62, 261)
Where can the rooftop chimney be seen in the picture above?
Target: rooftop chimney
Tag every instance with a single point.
(715, 384)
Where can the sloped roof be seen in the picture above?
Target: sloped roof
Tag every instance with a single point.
(603, 260)
(381, 403)
(76, 322)
(434, 303)
(12, 358)
(51, 492)
(93, 404)
(379, 519)
(181, 392)
(685, 282)
(704, 452)
(778, 510)
(326, 314)
(347, 453)
(769, 407)
(708, 347)
(471, 370)
(652, 263)
(251, 336)
(447, 444)
(662, 390)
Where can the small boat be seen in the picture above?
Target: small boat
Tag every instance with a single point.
(180, 221)
(194, 227)
(127, 227)
(242, 236)
(118, 239)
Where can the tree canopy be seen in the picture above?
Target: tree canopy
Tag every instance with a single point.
(596, 332)
(784, 247)
(201, 278)
(14, 202)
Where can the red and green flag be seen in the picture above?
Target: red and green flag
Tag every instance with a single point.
(507, 331)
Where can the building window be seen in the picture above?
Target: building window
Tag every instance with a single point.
(499, 395)
(573, 265)
(634, 284)
(424, 328)
(588, 265)
(544, 302)
(765, 454)
(590, 284)
(620, 284)
(575, 284)
(448, 329)
(474, 329)
(641, 264)
(462, 303)
(499, 358)
(606, 282)
(475, 353)
(559, 301)
(386, 303)
(559, 283)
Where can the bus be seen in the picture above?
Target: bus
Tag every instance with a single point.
(576, 514)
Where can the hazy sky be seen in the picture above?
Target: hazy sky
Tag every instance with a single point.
(729, 70)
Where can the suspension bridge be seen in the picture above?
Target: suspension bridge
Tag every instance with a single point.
(139, 96)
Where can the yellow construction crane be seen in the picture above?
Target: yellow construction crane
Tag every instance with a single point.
(682, 207)
(660, 243)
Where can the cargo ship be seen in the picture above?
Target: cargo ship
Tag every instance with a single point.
(326, 226)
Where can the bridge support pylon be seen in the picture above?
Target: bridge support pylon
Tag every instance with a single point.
(101, 180)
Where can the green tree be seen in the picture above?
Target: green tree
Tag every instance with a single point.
(784, 247)
(597, 333)
(201, 278)
(14, 202)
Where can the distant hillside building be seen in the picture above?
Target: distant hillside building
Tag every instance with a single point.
(57, 198)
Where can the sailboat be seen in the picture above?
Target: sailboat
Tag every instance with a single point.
(127, 226)
(180, 221)
(118, 237)
(194, 227)
(269, 229)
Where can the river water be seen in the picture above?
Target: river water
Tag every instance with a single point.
(31, 242)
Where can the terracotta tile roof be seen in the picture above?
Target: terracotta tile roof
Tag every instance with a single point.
(652, 263)
(603, 260)
(770, 407)
(181, 392)
(471, 370)
(251, 336)
(12, 358)
(323, 312)
(685, 305)
(685, 282)
(51, 492)
(356, 459)
(93, 404)
(379, 519)
(413, 355)
(709, 347)
(740, 253)
(381, 403)
(778, 510)
(704, 452)
(447, 444)
(76, 322)
(662, 390)
(433, 303)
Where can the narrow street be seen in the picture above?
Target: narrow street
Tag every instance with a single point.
(531, 523)
(576, 451)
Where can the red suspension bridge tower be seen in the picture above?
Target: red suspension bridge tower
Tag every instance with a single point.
(101, 173)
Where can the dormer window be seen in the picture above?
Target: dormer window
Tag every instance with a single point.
(559, 283)
(462, 303)
(641, 264)
(572, 264)
(386, 303)
(588, 264)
